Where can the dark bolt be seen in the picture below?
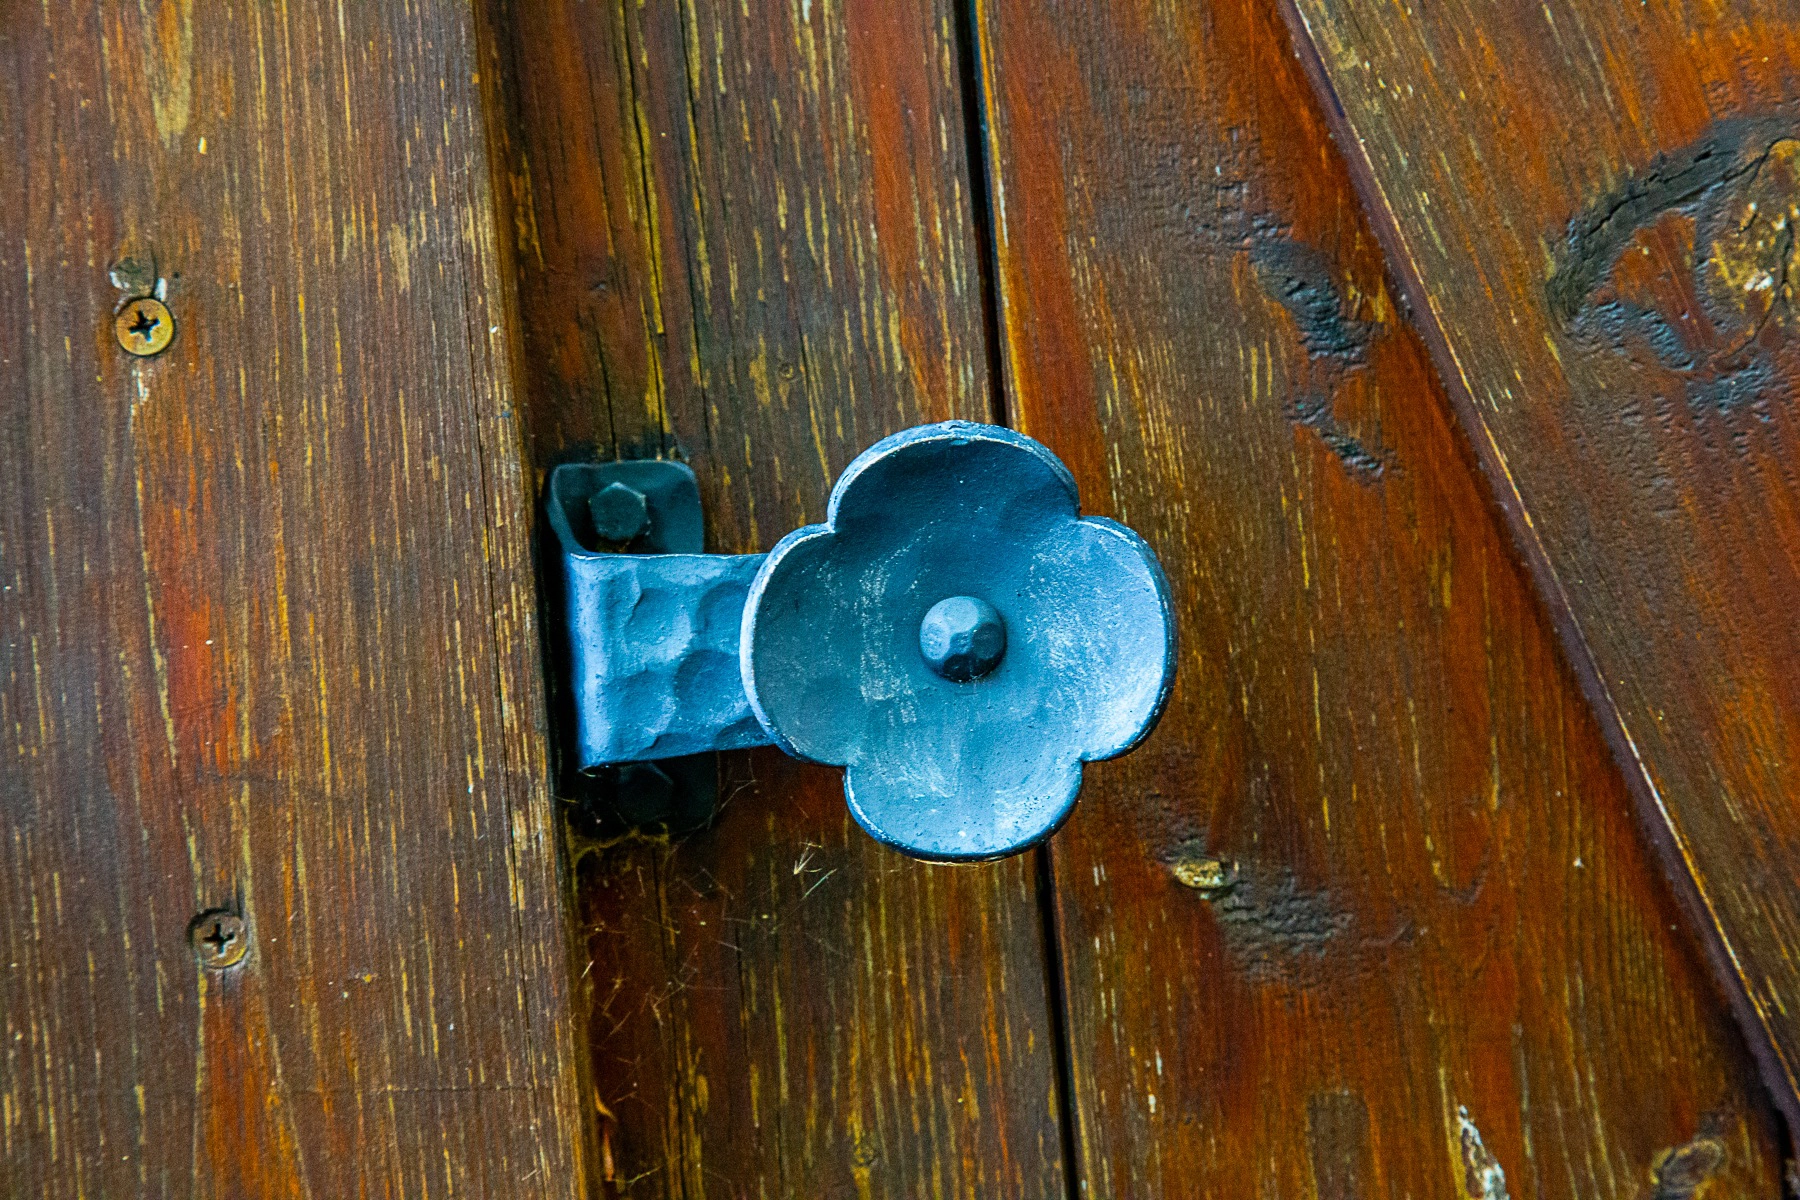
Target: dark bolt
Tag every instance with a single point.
(218, 939)
(962, 638)
(144, 327)
(620, 513)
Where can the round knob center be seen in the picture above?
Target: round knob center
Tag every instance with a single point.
(962, 638)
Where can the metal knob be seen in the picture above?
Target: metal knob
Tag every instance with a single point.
(962, 638)
(955, 635)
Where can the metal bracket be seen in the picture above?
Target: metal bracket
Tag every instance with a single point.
(614, 522)
(653, 630)
(955, 634)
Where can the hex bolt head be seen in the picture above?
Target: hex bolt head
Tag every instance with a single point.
(218, 938)
(621, 513)
(962, 638)
(144, 327)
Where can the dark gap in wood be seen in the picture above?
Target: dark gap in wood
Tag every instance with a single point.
(981, 197)
(975, 142)
(1059, 1020)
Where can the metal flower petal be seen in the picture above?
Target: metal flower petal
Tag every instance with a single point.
(982, 760)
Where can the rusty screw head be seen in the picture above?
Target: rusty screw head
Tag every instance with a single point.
(219, 939)
(962, 638)
(621, 513)
(144, 327)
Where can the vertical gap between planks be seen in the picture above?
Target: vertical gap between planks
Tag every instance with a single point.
(975, 141)
(1059, 1019)
(974, 109)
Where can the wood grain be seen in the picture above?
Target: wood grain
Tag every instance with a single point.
(268, 637)
(746, 240)
(1598, 236)
(1368, 914)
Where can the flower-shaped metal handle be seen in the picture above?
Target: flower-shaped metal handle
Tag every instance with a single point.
(959, 639)
(956, 636)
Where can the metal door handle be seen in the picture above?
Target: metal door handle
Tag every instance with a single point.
(956, 635)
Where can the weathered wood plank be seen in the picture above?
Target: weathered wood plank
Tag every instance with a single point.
(268, 618)
(1444, 964)
(745, 239)
(1592, 206)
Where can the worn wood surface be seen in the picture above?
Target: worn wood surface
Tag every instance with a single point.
(1592, 206)
(1368, 914)
(268, 621)
(745, 239)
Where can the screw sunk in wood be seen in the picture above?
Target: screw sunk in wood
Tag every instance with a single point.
(1211, 877)
(218, 938)
(144, 327)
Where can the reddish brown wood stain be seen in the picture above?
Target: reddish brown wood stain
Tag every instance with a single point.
(1445, 966)
(1367, 915)
(268, 622)
(1592, 207)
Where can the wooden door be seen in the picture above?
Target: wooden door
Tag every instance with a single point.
(1440, 355)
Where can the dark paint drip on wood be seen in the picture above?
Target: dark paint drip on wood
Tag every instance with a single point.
(1299, 278)
(1278, 931)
